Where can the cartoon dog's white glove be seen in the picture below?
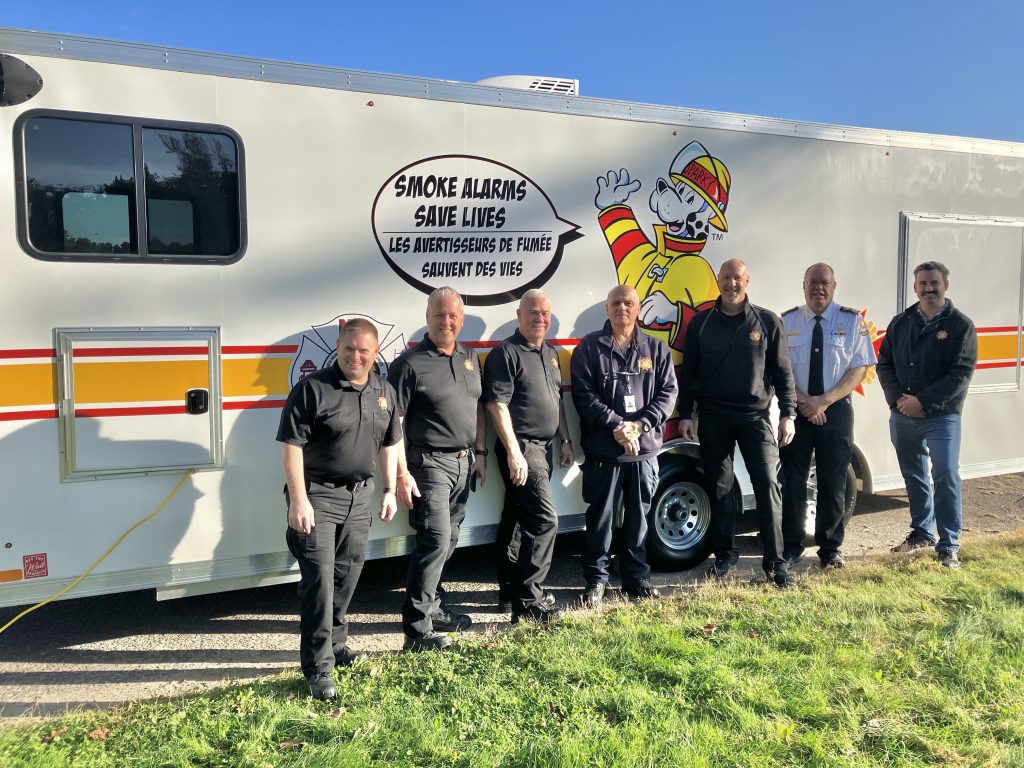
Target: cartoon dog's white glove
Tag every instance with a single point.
(615, 188)
(658, 310)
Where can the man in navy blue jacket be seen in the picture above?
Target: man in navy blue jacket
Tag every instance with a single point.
(925, 365)
(624, 388)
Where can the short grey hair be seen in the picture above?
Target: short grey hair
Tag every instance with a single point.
(444, 292)
(532, 295)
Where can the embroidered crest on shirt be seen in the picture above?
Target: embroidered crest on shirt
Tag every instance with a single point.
(755, 336)
(469, 365)
(382, 403)
(646, 364)
(942, 335)
(554, 362)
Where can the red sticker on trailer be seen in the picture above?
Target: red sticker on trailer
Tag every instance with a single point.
(35, 566)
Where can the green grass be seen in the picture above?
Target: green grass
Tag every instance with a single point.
(897, 662)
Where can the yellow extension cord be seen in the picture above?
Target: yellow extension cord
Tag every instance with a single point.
(103, 557)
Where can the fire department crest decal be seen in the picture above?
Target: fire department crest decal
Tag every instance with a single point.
(318, 348)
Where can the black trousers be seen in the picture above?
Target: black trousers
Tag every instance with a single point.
(529, 523)
(330, 558)
(619, 494)
(719, 435)
(443, 481)
(832, 445)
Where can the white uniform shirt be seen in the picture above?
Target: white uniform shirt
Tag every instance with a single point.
(847, 342)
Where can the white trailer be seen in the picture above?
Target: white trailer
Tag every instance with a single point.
(180, 233)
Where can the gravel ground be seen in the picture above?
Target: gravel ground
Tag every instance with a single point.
(99, 651)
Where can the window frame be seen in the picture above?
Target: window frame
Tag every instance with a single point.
(141, 224)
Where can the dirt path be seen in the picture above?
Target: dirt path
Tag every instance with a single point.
(104, 650)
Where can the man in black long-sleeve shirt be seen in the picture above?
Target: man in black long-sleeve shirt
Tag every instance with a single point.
(925, 365)
(734, 360)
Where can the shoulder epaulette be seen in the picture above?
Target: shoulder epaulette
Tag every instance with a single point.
(794, 309)
(851, 310)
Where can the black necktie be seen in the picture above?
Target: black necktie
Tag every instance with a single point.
(816, 374)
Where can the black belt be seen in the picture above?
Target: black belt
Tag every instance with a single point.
(460, 453)
(347, 485)
(535, 441)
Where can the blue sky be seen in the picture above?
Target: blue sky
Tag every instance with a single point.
(935, 67)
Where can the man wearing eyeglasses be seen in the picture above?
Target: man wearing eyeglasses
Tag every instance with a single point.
(624, 389)
(831, 352)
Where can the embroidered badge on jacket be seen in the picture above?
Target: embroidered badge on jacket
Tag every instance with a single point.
(942, 335)
(755, 336)
(646, 364)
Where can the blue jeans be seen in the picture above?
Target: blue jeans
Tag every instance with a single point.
(915, 440)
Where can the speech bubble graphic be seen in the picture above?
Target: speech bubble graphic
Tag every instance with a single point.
(471, 223)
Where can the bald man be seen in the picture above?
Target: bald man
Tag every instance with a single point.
(734, 361)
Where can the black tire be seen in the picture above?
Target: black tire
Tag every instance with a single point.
(679, 523)
(849, 502)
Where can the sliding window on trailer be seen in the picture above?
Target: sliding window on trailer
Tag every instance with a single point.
(107, 188)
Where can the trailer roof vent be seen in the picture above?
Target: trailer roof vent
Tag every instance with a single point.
(562, 85)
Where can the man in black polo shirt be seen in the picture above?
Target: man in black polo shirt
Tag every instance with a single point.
(438, 386)
(333, 427)
(523, 394)
(735, 360)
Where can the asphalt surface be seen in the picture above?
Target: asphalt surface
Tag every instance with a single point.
(99, 651)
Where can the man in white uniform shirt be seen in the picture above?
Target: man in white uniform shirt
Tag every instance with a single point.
(831, 351)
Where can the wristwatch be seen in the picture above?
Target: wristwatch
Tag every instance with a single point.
(388, 490)
(481, 451)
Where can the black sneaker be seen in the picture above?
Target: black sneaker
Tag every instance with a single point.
(949, 559)
(721, 569)
(594, 594)
(642, 590)
(542, 614)
(449, 621)
(321, 686)
(783, 579)
(506, 602)
(346, 657)
(832, 560)
(431, 641)
(913, 542)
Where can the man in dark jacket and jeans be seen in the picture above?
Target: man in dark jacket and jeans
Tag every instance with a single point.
(735, 359)
(624, 388)
(925, 365)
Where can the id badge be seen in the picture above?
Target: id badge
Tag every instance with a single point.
(629, 401)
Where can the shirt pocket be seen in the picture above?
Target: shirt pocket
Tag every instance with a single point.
(799, 349)
(473, 386)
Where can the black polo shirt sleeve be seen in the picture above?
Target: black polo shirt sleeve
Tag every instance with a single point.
(298, 417)
(500, 373)
(393, 433)
(402, 378)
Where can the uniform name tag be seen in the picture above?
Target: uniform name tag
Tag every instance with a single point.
(629, 401)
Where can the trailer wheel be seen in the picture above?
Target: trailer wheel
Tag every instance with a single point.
(849, 502)
(679, 524)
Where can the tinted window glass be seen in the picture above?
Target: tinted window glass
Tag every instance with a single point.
(191, 192)
(85, 176)
(80, 183)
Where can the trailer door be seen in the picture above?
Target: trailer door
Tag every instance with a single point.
(138, 400)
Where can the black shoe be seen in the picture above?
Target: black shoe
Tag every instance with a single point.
(506, 603)
(949, 559)
(642, 590)
(594, 594)
(913, 541)
(542, 614)
(793, 558)
(449, 621)
(321, 686)
(782, 579)
(721, 569)
(431, 641)
(832, 560)
(346, 657)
